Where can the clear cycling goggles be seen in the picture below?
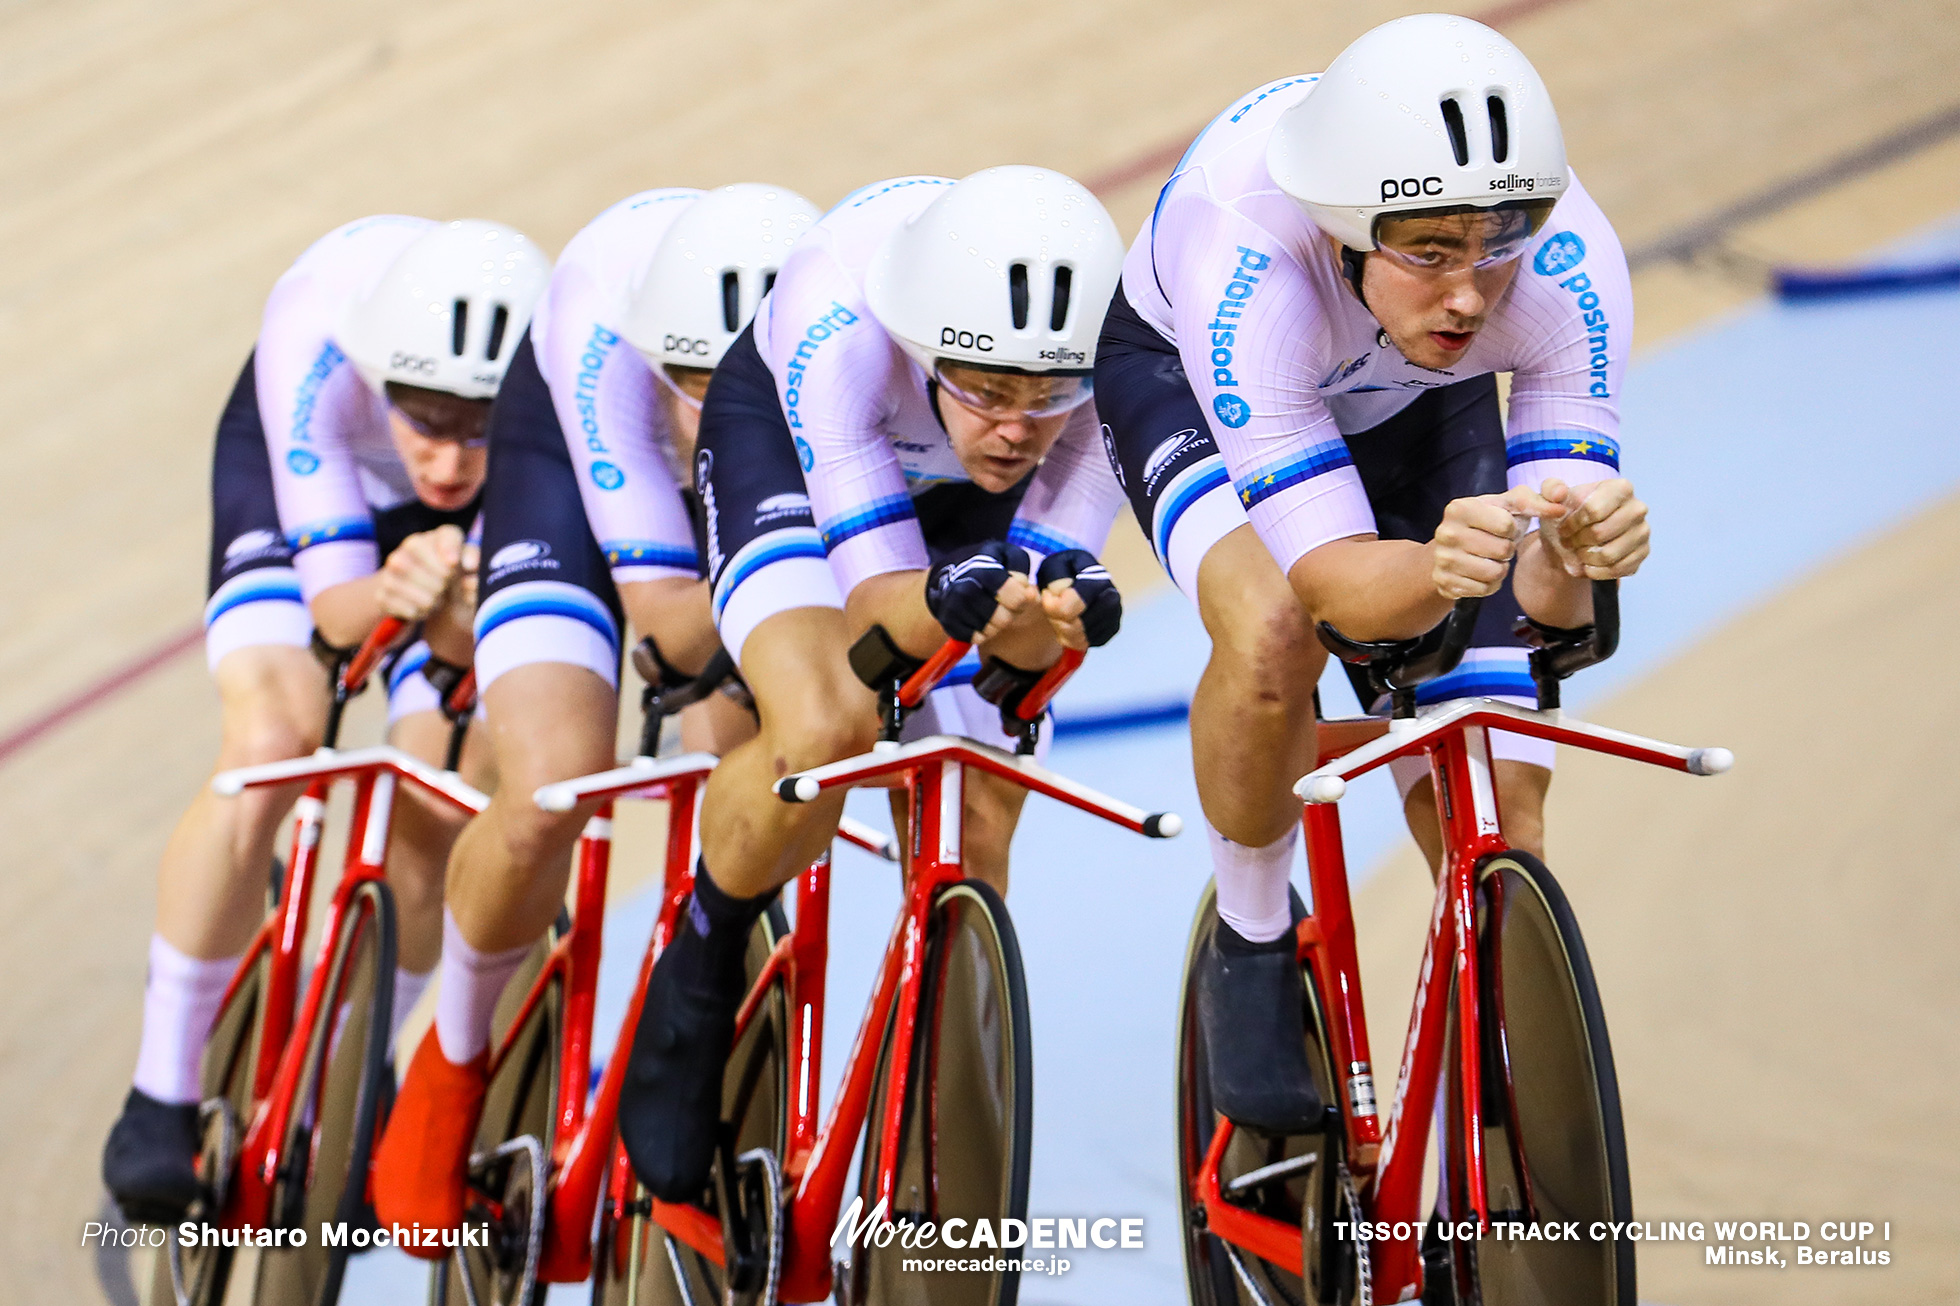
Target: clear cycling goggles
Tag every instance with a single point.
(1440, 241)
(1004, 393)
(439, 415)
(689, 384)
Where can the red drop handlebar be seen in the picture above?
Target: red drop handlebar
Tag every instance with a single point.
(921, 682)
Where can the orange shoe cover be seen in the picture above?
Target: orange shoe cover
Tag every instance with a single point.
(421, 1166)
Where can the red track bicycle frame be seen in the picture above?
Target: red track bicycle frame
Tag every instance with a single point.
(933, 773)
(377, 774)
(1388, 1162)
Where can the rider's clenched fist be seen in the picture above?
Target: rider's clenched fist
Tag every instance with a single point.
(1478, 537)
(1603, 534)
(418, 576)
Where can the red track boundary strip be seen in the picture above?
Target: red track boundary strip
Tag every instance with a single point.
(127, 676)
(103, 688)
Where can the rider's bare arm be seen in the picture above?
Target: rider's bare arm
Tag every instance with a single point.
(675, 611)
(1372, 589)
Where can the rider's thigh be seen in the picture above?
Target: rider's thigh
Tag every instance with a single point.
(813, 707)
(1255, 621)
(274, 703)
(548, 721)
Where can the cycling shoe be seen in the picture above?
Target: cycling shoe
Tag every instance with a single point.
(670, 1102)
(1250, 1001)
(150, 1160)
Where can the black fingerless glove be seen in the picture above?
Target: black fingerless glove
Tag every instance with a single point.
(963, 589)
(1102, 606)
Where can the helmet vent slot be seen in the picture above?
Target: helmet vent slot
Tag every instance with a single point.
(1017, 294)
(459, 325)
(1500, 130)
(768, 281)
(1453, 122)
(1058, 311)
(731, 301)
(499, 323)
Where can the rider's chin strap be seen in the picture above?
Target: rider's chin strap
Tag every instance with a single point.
(1352, 261)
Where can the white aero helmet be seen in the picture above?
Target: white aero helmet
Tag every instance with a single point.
(1010, 269)
(1426, 112)
(449, 311)
(710, 270)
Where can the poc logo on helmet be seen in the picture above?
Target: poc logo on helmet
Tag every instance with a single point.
(412, 363)
(1409, 188)
(684, 345)
(950, 338)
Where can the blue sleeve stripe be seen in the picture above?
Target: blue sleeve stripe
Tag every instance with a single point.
(1294, 470)
(882, 512)
(1186, 488)
(330, 532)
(1029, 535)
(1547, 446)
(649, 553)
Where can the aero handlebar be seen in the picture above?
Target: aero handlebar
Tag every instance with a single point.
(375, 647)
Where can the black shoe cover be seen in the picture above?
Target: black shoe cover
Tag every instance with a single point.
(670, 1102)
(149, 1162)
(1250, 1001)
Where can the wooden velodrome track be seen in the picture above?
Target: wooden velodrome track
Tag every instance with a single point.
(165, 163)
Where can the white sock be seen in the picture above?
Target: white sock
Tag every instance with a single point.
(180, 1001)
(1252, 884)
(409, 988)
(472, 981)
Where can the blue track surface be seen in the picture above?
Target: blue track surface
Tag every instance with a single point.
(1767, 443)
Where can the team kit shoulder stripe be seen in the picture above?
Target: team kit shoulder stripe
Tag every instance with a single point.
(1547, 446)
(1292, 470)
(267, 583)
(879, 512)
(793, 542)
(648, 553)
(1038, 538)
(330, 532)
(545, 598)
(1185, 489)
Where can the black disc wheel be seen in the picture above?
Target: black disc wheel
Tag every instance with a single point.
(641, 1264)
(964, 1134)
(1294, 1179)
(1554, 1146)
(512, 1145)
(199, 1275)
(344, 1081)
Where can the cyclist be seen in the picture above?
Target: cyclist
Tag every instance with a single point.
(588, 521)
(903, 429)
(1298, 379)
(339, 493)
